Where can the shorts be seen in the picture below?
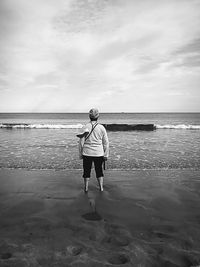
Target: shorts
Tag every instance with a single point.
(87, 166)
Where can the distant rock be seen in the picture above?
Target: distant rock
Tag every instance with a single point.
(129, 127)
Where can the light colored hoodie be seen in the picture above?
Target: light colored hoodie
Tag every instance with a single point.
(97, 144)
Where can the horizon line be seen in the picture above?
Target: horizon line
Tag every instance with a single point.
(104, 112)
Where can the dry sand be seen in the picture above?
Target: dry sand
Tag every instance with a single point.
(143, 218)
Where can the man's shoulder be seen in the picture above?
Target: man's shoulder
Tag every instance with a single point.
(101, 127)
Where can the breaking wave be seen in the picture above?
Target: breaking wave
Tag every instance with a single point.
(117, 127)
(179, 126)
(39, 126)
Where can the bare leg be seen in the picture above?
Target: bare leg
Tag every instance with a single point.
(86, 182)
(100, 181)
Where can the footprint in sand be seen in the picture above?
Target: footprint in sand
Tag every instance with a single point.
(118, 259)
(116, 235)
(74, 250)
(6, 256)
(119, 241)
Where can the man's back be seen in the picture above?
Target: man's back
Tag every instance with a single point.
(97, 142)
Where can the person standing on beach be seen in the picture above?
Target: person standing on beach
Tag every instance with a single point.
(93, 147)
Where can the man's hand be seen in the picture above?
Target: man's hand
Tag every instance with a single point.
(105, 158)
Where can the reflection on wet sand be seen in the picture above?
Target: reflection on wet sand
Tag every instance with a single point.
(143, 218)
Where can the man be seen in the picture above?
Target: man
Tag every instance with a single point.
(93, 147)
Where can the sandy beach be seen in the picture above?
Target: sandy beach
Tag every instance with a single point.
(143, 218)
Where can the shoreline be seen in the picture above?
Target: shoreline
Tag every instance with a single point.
(143, 218)
(107, 170)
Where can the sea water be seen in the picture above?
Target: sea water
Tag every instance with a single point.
(48, 141)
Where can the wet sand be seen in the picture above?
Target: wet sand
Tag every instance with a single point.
(145, 218)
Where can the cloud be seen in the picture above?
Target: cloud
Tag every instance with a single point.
(190, 48)
(188, 55)
(89, 50)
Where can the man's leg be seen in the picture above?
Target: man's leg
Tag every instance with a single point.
(100, 182)
(87, 165)
(86, 182)
(98, 162)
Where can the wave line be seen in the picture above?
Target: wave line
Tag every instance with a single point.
(179, 126)
(39, 126)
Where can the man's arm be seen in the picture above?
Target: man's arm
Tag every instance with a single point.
(105, 143)
(80, 147)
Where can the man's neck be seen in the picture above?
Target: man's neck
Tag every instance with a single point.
(93, 122)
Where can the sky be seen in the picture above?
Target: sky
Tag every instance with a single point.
(116, 55)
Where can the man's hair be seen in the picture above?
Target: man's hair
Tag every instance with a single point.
(93, 119)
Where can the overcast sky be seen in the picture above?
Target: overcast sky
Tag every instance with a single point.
(117, 55)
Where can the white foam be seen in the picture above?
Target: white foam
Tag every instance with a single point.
(178, 126)
(41, 126)
(77, 126)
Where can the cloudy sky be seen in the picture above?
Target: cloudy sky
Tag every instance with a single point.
(117, 55)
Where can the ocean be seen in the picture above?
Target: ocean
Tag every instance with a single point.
(48, 141)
